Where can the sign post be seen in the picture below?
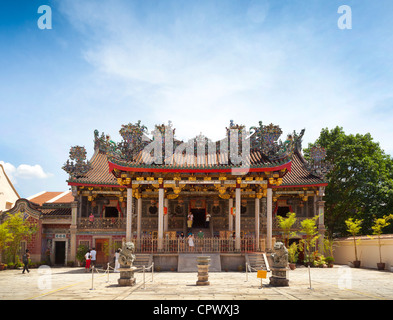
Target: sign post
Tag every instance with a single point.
(262, 275)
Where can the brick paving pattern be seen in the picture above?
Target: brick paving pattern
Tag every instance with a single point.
(338, 283)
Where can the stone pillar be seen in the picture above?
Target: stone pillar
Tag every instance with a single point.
(269, 219)
(129, 215)
(257, 209)
(321, 224)
(237, 219)
(73, 228)
(203, 270)
(230, 217)
(160, 218)
(139, 221)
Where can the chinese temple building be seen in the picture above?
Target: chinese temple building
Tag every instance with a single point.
(143, 188)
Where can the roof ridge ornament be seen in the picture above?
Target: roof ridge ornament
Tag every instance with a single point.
(318, 166)
(81, 165)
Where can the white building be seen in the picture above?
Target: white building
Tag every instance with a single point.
(8, 194)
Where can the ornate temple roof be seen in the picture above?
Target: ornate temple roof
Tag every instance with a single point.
(299, 175)
(134, 154)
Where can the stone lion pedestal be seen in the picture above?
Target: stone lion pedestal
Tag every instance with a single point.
(126, 259)
(127, 276)
(279, 267)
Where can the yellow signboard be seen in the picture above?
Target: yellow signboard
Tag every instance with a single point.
(261, 274)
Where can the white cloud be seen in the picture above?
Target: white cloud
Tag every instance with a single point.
(24, 172)
(201, 75)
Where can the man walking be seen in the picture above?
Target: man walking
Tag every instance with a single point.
(93, 254)
(25, 260)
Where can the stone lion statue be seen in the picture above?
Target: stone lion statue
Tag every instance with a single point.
(280, 255)
(126, 256)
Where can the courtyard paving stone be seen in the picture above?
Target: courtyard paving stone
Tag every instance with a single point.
(338, 283)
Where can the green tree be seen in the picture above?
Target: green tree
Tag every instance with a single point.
(6, 238)
(353, 227)
(21, 229)
(286, 224)
(310, 229)
(361, 181)
(379, 224)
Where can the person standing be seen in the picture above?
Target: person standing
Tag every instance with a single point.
(200, 240)
(93, 254)
(88, 260)
(191, 242)
(47, 254)
(25, 259)
(117, 263)
(181, 240)
(207, 221)
(190, 219)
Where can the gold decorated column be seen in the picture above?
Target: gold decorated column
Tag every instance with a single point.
(129, 214)
(237, 216)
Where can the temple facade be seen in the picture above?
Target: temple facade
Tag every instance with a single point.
(144, 188)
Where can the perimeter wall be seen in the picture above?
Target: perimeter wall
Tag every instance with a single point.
(367, 249)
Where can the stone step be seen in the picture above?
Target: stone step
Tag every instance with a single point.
(143, 260)
(187, 262)
(257, 261)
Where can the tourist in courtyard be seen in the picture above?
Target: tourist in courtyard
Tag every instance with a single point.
(88, 260)
(93, 254)
(191, 242)
(117, 263)
(25, 260)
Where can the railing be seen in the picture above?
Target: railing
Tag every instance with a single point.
(120, 223)
(203, 245)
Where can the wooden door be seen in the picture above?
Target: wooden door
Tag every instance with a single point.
(102, 258)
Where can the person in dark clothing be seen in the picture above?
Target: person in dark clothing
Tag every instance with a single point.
(25, 260)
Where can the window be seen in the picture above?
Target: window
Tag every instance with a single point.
(85, 243)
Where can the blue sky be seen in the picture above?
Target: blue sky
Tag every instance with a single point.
(198, 64)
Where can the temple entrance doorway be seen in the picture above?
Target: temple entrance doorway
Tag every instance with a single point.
(199, 218)
(283, 211)
(60, 250)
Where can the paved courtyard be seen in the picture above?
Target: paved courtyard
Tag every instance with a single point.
(338, 283)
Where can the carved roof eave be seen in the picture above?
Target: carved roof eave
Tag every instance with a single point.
(24, 206)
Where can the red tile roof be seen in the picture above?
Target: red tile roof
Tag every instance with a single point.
(44, 197)
(52, 197)
(299, 175)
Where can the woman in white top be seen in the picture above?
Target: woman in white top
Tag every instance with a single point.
(88, 260)
(117, 264)
(191, 242)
